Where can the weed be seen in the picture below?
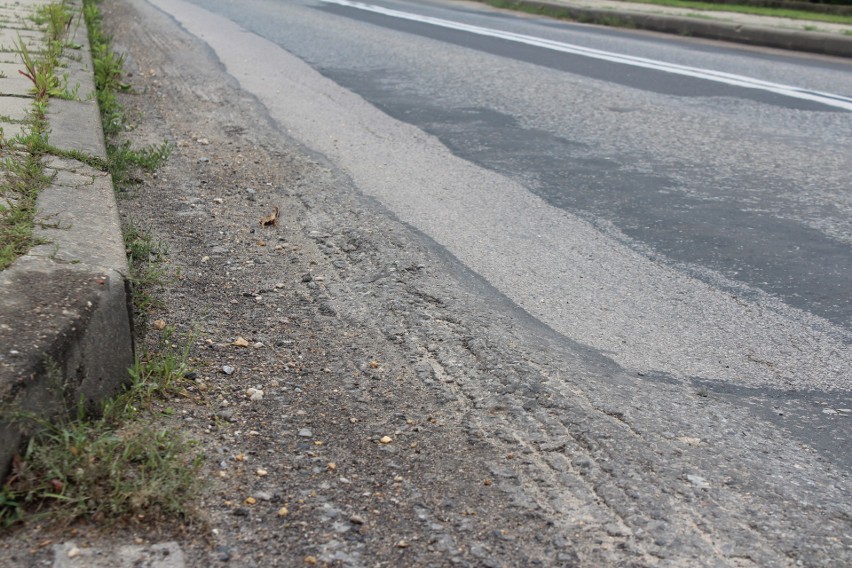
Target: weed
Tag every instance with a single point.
(797, 14)
(57, 17)
(90, 468)
(158, 374)
(145, 258)
(22, 179)
(109, 75)
(39, 72)
(124, 160)
(23, 174)
(115, 466)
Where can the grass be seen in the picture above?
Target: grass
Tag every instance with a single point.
(114, 468)
(757, 10)
(117, 467)
(553, 12)
(567, 14)
(109, 79)
(23, 178)
(145, 259)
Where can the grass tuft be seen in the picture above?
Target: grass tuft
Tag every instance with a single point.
(116, 467)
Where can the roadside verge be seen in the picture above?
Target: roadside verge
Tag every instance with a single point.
(765, 36)
(65, 330)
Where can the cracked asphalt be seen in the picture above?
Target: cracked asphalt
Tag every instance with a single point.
(411, 414)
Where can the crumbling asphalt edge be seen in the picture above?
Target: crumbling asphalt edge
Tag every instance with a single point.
(65, 319)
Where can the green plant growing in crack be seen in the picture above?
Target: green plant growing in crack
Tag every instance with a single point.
(108, 65)
(145, 257)
(22, 174)
(115, 466)
(40, 72)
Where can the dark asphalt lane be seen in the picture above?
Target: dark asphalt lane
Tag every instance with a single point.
(679, 207)
(612, 72)
(806, 268)
(674, 210)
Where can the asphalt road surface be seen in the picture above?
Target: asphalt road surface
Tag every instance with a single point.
(677, 212)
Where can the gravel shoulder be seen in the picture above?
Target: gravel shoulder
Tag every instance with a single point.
(410, 415)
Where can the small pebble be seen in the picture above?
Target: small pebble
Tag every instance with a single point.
(228, 370)
(386, 440)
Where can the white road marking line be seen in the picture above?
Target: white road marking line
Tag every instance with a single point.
(827, 99)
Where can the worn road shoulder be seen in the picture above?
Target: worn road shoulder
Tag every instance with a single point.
(386, 407)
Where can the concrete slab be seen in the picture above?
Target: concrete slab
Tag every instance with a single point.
(12, 129)
(75, 125)
(33, 40)
(80, 218)
(161, 555)
(59, 332)
(15, 108)
(12, 82)
(64, 314)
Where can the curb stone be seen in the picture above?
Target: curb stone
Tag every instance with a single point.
(65, 319)
(161, 555)
(812, 42)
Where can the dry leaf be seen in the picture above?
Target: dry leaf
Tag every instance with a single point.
(270, 220)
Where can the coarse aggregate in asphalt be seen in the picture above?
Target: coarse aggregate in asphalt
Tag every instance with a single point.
(389, 408)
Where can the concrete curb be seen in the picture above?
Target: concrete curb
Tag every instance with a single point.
(65, 324)
(812, 42)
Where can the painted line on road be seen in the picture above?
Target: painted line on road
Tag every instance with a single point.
(828, 99)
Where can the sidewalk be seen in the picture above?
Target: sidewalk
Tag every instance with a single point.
(767, 31)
